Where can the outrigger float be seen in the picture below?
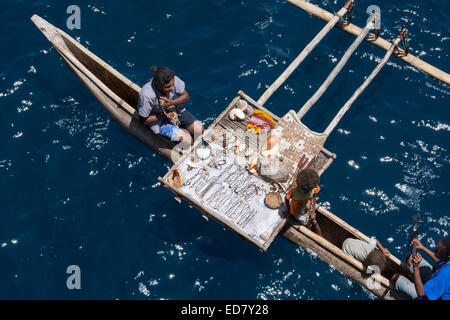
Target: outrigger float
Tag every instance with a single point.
(226, 191)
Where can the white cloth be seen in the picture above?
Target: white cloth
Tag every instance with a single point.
(266, 220)
(357, 248)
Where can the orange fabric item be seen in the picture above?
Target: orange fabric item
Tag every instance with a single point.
(298, 206)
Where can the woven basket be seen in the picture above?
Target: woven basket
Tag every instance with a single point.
(273, 200)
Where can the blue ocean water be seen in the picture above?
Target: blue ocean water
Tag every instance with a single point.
(76, 189)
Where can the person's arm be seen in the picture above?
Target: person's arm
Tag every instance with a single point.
(382, 249)
(182, 98)
(286, 199)
(314, 223)
(145, 108)
(417, 280)
(152, 118)
(420, 246)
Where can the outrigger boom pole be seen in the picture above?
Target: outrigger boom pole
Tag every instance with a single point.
(348, 6)
(370, 25)
(360, 90)
(380, 42)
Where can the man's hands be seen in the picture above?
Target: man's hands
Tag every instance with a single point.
(164, 102)
(171, 115)
(386, 252)
(416, 260)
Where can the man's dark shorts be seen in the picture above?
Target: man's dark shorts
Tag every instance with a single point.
(186, 118)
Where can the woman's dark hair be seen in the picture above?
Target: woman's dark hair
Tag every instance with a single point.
(307, 180)
(376, 257)
(161, 75)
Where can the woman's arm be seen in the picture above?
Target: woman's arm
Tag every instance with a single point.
(286, 200)
(382, 249)
(314, 223)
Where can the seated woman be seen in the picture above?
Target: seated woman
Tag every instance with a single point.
(161, 107)
(301, 199)
(366, 252)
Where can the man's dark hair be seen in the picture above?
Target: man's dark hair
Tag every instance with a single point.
(307, 180)
(446, 243)
(161, 75)
(376, 257)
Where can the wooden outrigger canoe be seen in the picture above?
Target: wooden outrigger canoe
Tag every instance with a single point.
(118, 96)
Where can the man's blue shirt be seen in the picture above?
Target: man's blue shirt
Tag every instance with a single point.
(438, 287)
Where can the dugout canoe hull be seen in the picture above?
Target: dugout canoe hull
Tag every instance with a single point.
(118, 96)
(115, 93)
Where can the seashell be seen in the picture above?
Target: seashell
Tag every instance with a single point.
(236, 114)
(249, 152)
(240, 115)
(205, 168)
(265, 235)
(249, 111)
(241, 147)
(232, 114)
(203, 153)
(242, 105)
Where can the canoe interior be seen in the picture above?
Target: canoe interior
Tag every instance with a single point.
(336, 235)
(117, 85)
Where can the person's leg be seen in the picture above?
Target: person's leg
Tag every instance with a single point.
(425, 271)
(191, 123)
(172, 132)
(316, 229)
(405, 285)
(196, 129)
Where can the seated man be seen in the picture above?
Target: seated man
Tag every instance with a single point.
(161, 107)
(366, 252)
(429, 282)
(301, 199)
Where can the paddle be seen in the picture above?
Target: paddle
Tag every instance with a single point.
(414, 233)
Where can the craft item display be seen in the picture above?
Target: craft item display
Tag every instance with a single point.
(230, 193)
(225, 187)
(260, 121)
(203, 151)
(176, 178)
